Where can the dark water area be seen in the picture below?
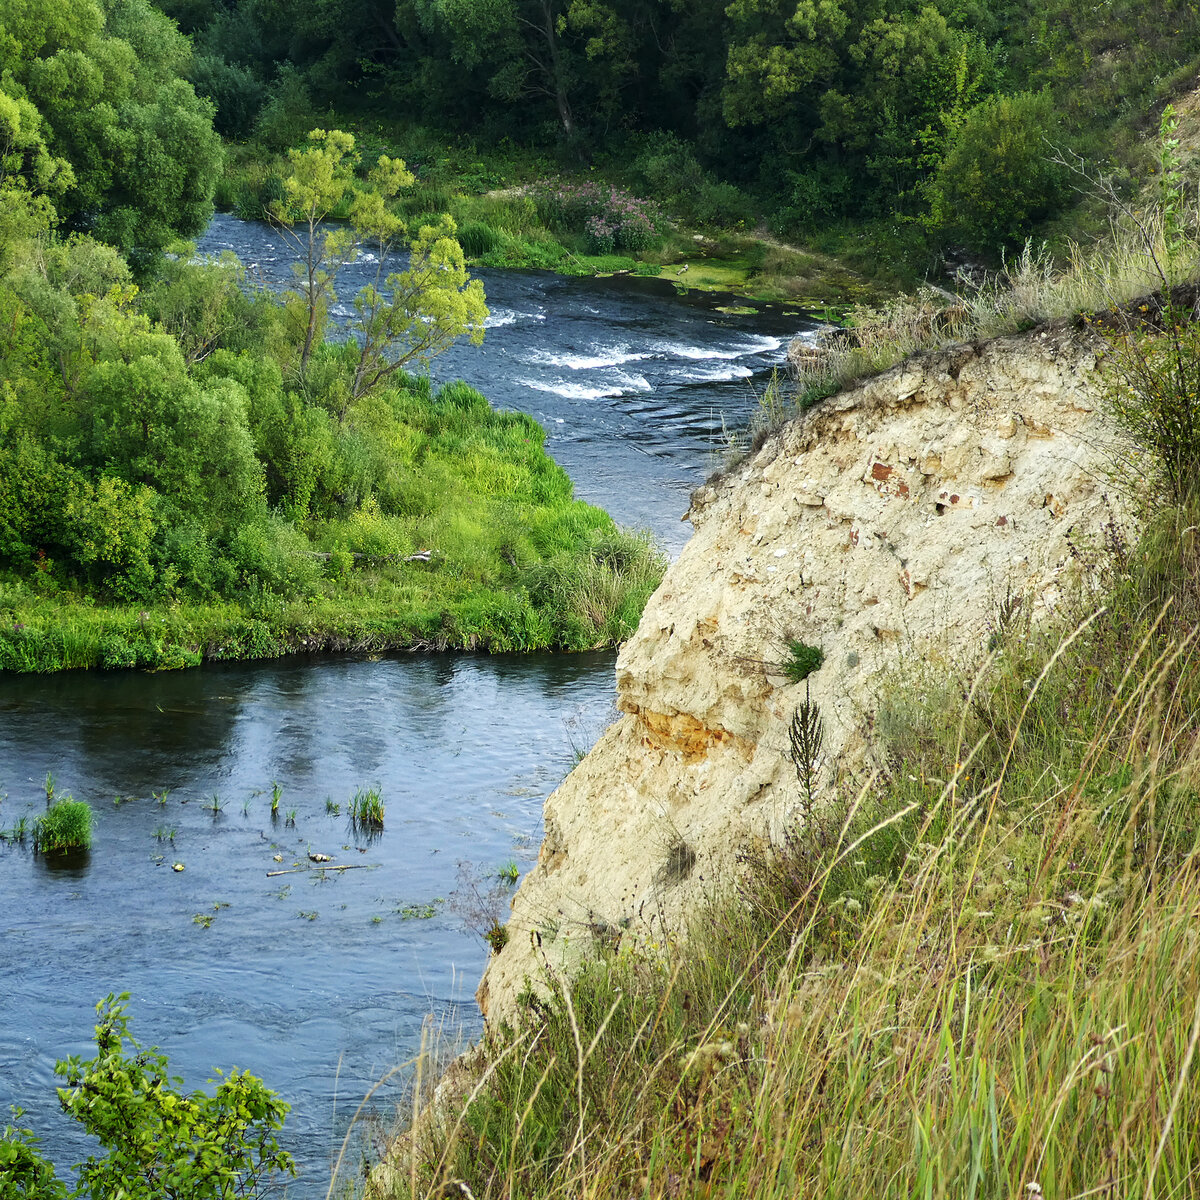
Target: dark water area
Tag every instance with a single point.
(318, 983)
(637, 385)
(321, 983)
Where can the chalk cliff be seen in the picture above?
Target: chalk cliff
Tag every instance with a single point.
(887, 525)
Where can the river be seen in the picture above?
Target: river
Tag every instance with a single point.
(322, 983)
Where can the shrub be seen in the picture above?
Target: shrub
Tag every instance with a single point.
(24, 1173)
(802, 660)
(235, 91)
(610, 217)
(997, 179)
(601, 235)
(159, 1141)
(1154, 393)
(65, 825)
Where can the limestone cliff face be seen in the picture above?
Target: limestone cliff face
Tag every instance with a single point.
(889, 523)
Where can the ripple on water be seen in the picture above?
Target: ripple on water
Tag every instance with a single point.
(317, 983)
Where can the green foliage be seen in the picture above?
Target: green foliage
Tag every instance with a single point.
(409, 315)
(477, 239)
(236, 93)
(24, 1173)
(997, 179)
(132, 152)
(195, 449)
(65, 825)
(160, 1141)
(1154, 394)
(802, 660)
(806, 739)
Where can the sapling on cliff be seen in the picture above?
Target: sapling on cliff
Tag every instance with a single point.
(806, 738)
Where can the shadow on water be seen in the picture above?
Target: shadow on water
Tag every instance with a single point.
(64, 864)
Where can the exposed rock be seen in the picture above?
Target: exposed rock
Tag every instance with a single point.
(892, 521)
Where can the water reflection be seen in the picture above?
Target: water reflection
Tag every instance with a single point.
(319, 984)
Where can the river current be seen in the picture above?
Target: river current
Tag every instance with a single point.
(322, 983)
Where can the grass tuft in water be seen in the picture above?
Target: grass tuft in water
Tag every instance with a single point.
(65, 825)
(367, 809)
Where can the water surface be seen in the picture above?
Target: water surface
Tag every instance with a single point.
(322, 983)
(318, 983)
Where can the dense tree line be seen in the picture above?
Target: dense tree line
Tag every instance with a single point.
(171, 435)
(819, 109)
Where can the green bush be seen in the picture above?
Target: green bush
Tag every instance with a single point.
(236, 92)
(159, 1141)
(997, 179)
(802, 660)
(24, 1173)
(1154, 394)
(65, 825)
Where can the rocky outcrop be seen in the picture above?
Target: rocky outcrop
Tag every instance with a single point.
(891, 523)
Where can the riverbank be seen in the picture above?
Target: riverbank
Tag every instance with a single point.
(585, 602)
(209, 471)
(504, 221)
(938, 926)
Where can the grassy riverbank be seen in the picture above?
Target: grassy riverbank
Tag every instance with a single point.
(507, 207)
(486, 549)
(973, 974)
(578, 600)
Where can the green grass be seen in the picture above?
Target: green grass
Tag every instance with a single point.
(65, 825)
(367, 809)
(514, 563)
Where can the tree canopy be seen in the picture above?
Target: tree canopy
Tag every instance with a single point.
(106, 129)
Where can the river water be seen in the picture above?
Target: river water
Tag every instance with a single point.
(322, 983)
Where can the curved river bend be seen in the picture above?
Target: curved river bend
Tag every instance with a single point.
(321, 984)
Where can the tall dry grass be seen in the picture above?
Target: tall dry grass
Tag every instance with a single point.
(1146, 251)
(976, 975)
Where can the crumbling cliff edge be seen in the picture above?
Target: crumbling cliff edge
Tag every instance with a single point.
(888, 527)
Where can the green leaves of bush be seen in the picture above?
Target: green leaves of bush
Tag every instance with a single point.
(161, 1143)
(997, 179)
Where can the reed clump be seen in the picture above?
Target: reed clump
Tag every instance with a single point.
(65, 825)
(976, 974)
(367, 809)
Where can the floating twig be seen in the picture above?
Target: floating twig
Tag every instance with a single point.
(323, 867)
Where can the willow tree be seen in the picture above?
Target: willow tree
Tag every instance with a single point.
(402, 316)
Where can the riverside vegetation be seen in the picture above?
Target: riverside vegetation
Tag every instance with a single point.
(190, 468)
(886, 133)
(974, 974)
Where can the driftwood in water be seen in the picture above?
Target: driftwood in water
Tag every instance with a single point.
(322, 867)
